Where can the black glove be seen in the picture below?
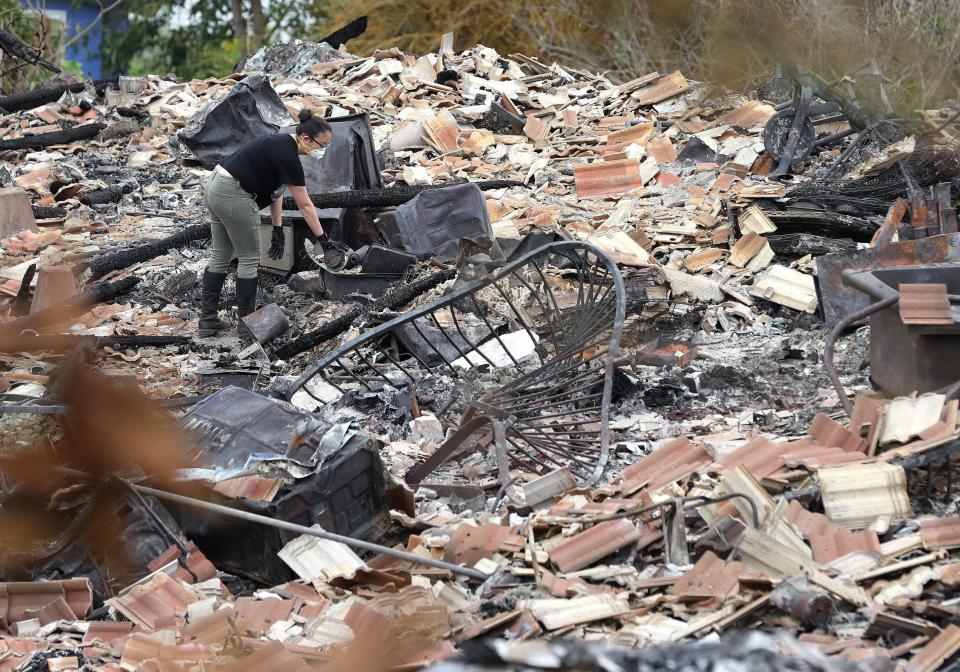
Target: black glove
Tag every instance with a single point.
(277, 243)
(328, 243)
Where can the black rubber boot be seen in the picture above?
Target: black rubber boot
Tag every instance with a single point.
(246, 296)
(209, 323)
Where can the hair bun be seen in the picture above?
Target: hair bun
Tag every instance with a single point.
(305, 114)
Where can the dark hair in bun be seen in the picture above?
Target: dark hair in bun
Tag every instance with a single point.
(310, 125)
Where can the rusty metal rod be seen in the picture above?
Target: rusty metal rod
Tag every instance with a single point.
(840, 327)
(289, 527)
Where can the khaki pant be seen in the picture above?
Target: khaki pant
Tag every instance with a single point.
(234, 226)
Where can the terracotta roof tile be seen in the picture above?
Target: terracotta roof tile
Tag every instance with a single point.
(470, 543)
(155, 604)
(607, 178)
(197, 562)
(831, 434)
(760, 456)
(940, 532)
(19, 597)
(367, 625)
(828, 540)
(924, 303)
(112, 633)
(256, 488)
(215, 628)
(583, 549)
(632, 135)
(254, 617)
(672, 461)
(711, 577)
(937, 650)
(666, 87)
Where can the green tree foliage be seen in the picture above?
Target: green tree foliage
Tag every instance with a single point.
(199, 39)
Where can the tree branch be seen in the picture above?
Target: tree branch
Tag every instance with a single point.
(80, 33)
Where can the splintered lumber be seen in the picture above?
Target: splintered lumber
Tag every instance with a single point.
(65, 137)
(386, 197)
(392, 298)
(116, 261)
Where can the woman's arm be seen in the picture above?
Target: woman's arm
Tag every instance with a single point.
(276, 210)
(309, 212)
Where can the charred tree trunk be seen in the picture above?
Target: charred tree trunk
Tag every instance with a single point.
(136, 254)
(69, 309)
(65, 137)
(111, 194)
(47, 94)
(64, 342)
(393, 298)
(14, 46)
(386, 197)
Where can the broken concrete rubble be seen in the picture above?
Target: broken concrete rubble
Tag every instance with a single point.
(608, 402)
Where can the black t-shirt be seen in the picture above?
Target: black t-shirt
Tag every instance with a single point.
(264, 165)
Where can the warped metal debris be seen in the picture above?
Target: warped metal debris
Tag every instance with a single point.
(562, 304)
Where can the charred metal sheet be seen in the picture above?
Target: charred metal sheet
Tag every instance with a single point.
(915, 358)
(837, 300)
(556, 326)
(332, 475)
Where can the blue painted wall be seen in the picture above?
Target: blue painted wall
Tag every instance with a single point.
(86, 50)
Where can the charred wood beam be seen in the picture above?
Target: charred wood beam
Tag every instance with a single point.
(14, 46)
(116, 261)
(393, 298)
(801, 244)
(111, 194)
(64, 342)
(48, 94)
(355, 28)
(386, 197)
(48, 212)
(66, 310)
(64, 137)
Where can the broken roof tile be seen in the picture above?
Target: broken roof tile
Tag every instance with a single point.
(315, 558)
(940, 532)
(17, 598)
(255, 488)
(607, 178)
(936, 651)
(154, 604)
(583, 549)
(471, 543)
(710, 577)
(828, 432)
(924, 303)
(666, 87)
(673, 460)
(828, 540)
(856, 495)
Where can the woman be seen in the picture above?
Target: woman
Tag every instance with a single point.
(239, 187)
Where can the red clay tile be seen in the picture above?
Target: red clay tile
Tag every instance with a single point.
(583, 549)
(607, 178)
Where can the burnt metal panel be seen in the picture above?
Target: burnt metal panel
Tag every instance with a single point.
(910, 358)
(333, 477)
(837, 300)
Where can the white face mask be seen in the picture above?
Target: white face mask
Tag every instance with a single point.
(317, 153)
